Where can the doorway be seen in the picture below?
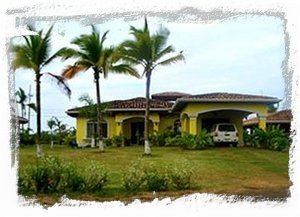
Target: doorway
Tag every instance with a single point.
(137, 133)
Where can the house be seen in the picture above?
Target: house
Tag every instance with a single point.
(281, 118)
(173, 111)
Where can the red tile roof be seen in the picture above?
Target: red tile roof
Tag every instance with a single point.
(229, 96)
(138, 103)
(284, 116)
(223, 97)
(169, 96)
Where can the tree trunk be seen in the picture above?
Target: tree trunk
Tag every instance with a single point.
(147, 112)
(99, 113)
(38, 114)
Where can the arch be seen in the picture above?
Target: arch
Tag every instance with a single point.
(227, 109)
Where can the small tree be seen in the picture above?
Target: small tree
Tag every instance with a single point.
(51, 125)
(34, 54)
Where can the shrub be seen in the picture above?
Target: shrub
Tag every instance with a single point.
(26, 138)
(156, 180)
(47, 174)
(24, 181)
(273, 138)
(133, 178)
(95, 177)
(72, 179)
(173, 141)
(160, 139)
(279, 143)
(118, 140)
(108, 142)
(196, 142)
(181, 176)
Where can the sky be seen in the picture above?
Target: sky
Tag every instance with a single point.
(242, 54)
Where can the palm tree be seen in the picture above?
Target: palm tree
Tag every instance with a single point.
(22, 97)
(34, 55)
(149, 51)
(91, 54)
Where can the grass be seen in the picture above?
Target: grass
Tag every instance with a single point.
(242, 171)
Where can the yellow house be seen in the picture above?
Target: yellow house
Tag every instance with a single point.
(173, 111)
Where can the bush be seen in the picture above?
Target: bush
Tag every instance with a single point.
(160, 139)
(156, 180)
(181, 176)
(273, 138)
(195, 142)
(118, 140)
(47, 174)
(173, 141)
(26, 138)
(133, 178)
(108, 142)
(24, 182)
(279, 144)
(95, 177)
(72, 179)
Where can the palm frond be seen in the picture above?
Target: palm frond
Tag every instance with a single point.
(126, 69)
(32, 106)
(61, 82)
(171, 60)
(72, 70)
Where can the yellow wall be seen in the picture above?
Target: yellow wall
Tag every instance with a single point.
(80, 130)
(196, 108)
(190, 118)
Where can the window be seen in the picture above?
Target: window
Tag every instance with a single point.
(92, 129)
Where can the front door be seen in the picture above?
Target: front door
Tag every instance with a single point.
(137, 132)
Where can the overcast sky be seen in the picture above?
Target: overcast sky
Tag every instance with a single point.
(243, 54)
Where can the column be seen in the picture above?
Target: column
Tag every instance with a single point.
(262, 122)
(119, 128)
(155, 128)
(193, 124)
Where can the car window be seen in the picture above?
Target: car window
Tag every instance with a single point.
(227, 127)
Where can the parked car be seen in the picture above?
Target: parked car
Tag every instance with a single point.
(225, 133)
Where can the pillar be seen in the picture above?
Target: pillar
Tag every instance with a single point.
(155, 128)
(262, 122)
(119, 128)
(193, 125)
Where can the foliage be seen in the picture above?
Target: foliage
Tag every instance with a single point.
(118, 140)
(95, 176)
(24, 181)
(155, 180)
(160, 139)
(21, 99)
(26, 138)
(192, 142)
(52, 175)
(72, 178)
(47, 174)
(181, 176)
(108, 142)
(133, 178)
(273, 138)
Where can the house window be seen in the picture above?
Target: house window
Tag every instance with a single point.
(92, 129)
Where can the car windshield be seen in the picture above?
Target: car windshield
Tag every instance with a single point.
(226, 127)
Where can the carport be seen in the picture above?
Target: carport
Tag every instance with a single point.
(198, 112)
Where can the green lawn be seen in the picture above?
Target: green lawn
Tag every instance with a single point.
(242, 171)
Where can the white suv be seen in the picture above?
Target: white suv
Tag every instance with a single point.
(225, 132)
